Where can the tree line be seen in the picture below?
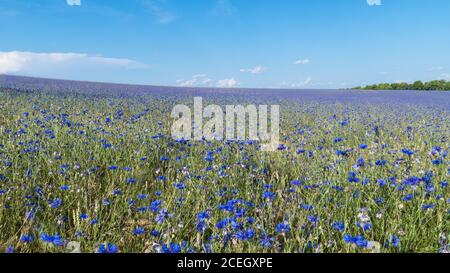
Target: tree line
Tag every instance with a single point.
(440, 85)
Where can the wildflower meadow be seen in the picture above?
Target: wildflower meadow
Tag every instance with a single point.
(86, 169)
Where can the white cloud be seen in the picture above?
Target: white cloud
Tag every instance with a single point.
(223, 7)
(445, 76)
(157, 9)
(305, 61)
(200, 80)
(227, 83)
(31, 62)
(374, 2)
(436, 68)
(73, 2)
(255, 70)
(304, 83)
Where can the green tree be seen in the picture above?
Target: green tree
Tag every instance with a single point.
(440, 85)
(417, 85)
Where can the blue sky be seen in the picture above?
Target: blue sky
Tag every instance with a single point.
(227, 43)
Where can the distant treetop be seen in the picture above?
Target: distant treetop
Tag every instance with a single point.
(439, 85)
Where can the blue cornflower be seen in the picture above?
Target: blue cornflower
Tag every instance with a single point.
(162, 178)
(365, 226)
(313, 219)
(56, 203)
(175, 248)
(236, 225)
(201, 226)
(363, 146)
(381, 182)
(240, 212)
(155, 205)
(245, 235)
(56, 239)
(281, 147)
(46, 238)
(162, 216)
(427, 206)
(352, 177)
(342, 153)
(306, 207)
(395, 241)
(357, 240)
(361, 242)
(411, 181)
(349, 239)
(155, 233)
(83, 216)
(339, 226)
(9, 249)
(138, 231)
(344, 122)
(222, 223)
(64, 188)
(266, 241)
(142, 196)
(408, 197)
(180, 185)
(172, 248)
(380, 162)
(437, 161)
(296, 183)
(106, 145)
(202, 215)
(283, 228)
(269, 195)
(360, 162)
(131, 180)
(109, 248)
(26, 238)
(407, 152)
(117, 192)
(209, 158)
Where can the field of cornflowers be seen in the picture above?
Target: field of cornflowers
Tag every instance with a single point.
(97, 171)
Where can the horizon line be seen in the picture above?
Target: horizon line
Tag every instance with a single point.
(170, 86)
